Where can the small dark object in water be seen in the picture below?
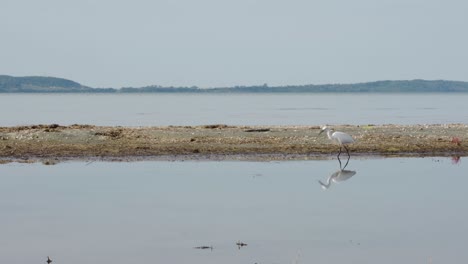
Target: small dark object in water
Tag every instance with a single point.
(357, 243)
(204, 247)
(257, 130)
(240, 244)
(49, 260)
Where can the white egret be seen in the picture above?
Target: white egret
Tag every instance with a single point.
(338, 137)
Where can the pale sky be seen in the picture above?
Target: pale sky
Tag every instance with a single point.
(117, 43)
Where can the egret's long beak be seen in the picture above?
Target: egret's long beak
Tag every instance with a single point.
(321, 131)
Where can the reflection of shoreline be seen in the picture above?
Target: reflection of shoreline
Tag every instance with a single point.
(337, 177)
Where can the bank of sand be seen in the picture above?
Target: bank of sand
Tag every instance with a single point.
(51, 143)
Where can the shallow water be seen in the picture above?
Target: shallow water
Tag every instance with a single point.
(232, 109)
(382, 211)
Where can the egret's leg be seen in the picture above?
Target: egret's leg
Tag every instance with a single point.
(346, 163)
(347, 151)
(349, 156)
(339, 157)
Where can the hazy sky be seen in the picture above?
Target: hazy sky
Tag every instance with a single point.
(115, 43)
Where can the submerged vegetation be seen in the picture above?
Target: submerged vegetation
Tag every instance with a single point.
(39, 84)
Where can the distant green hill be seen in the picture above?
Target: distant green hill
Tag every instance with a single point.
(39, 84)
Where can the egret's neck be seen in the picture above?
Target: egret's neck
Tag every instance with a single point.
(325, 185)
(329, 134)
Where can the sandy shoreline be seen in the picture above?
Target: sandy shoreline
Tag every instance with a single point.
(223, 142)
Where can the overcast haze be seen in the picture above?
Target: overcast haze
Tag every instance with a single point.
(114, 43)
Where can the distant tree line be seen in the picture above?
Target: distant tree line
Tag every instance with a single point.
(40, 84)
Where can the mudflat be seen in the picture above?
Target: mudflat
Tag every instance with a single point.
(55, 142)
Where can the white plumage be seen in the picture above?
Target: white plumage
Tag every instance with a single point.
(340, 138)
(336, 136)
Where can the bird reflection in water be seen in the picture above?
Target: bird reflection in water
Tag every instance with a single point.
(456, 160)
(337, 177)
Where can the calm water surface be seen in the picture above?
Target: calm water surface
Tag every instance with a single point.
(238, 109)
(378, 211)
